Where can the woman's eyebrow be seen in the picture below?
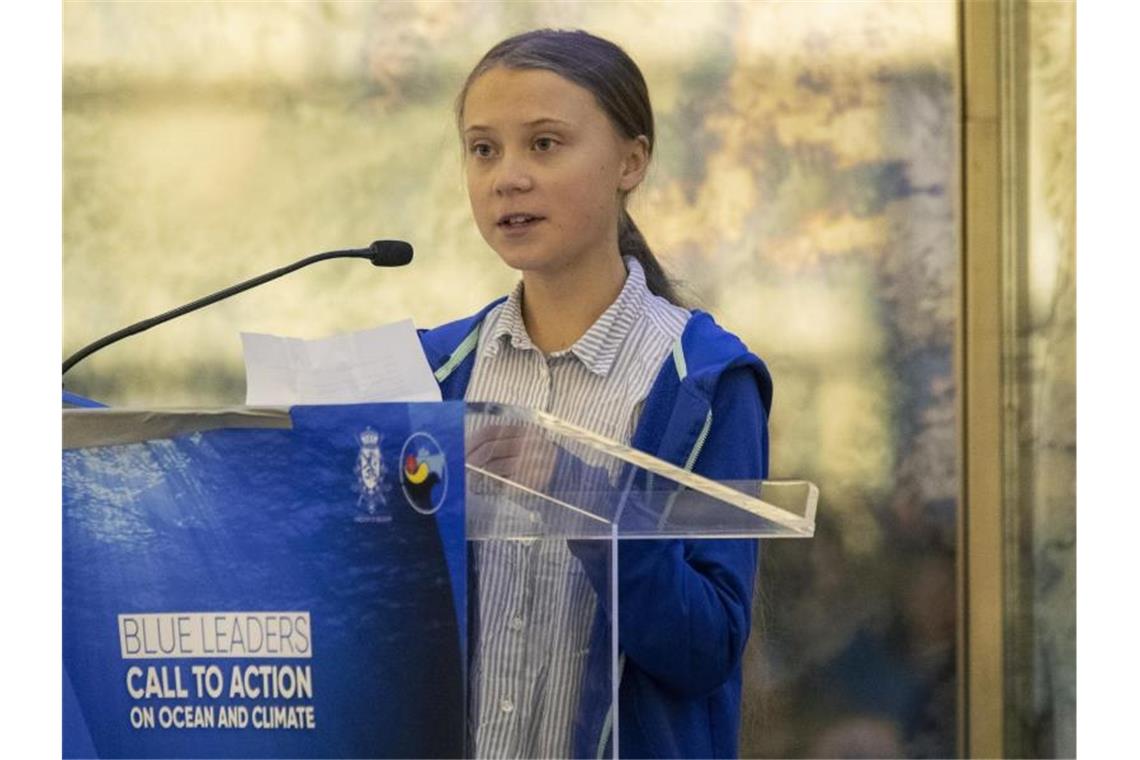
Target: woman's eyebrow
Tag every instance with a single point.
(545, 120)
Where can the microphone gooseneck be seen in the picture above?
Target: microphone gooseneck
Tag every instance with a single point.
(382, 253)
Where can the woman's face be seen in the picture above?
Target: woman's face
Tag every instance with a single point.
(545, 169)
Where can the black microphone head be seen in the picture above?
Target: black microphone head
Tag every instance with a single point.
(390, 253)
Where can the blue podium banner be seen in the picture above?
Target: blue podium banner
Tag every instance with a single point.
(269, 592)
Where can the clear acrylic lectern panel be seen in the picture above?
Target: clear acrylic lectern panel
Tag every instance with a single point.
(548, 505)
(532, 475)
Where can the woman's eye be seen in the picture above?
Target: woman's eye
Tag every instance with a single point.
(544, 144)
(482, 150)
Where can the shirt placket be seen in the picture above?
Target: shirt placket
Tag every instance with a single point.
(515, 649)
(500, 658)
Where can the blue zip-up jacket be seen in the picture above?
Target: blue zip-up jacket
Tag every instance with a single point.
(685, 606)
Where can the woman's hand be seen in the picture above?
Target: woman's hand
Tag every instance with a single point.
(519, 453)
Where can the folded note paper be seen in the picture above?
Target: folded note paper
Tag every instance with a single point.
(383, 363)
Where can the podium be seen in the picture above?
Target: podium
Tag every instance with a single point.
(375, 580)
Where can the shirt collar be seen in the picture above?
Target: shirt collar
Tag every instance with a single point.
(598, 348)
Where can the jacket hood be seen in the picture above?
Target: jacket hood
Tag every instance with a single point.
(707, 351)
(441, 342)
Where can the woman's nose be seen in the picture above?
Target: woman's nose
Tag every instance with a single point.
(513, 176)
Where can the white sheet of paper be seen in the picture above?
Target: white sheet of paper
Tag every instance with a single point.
(384, 363)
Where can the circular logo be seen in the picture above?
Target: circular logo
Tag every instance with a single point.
(423, 473)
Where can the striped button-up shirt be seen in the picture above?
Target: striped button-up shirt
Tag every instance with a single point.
(535, 604)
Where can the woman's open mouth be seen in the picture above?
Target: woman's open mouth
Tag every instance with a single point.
(518, 222)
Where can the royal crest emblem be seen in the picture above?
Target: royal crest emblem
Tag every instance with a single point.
(370, 472)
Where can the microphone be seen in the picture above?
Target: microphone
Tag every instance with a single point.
(382, 253)
(387, 253)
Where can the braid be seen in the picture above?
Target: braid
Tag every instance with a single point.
(632, 243)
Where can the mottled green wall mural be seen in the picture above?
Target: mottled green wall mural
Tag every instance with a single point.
(1041, 330)
(804, 190)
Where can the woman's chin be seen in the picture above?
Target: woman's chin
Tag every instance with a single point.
(528, 260)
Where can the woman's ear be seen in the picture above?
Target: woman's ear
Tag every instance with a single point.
(634, 163)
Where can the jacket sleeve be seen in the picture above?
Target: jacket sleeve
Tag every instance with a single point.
(685, 606)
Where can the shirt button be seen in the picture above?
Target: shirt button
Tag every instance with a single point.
(506, 705)
(516, 623)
